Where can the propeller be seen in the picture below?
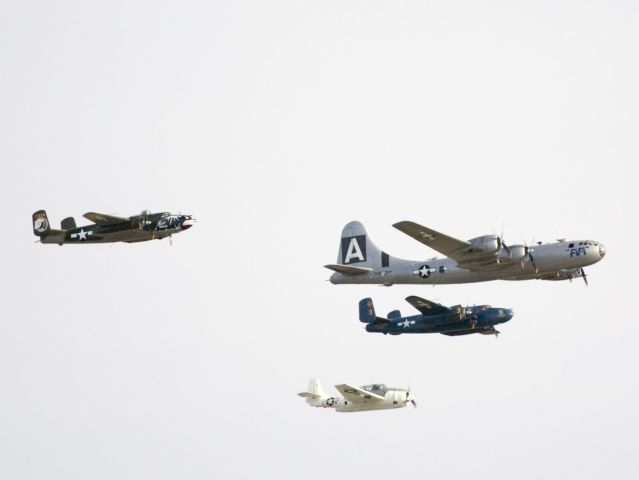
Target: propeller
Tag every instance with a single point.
(584, 276)
(502, 243)
(529, 252)
(411, 400)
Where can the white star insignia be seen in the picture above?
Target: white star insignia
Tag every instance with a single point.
(406, 323)
(424, 271)
(82, 235)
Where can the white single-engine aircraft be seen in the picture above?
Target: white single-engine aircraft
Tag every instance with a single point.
(358, 399)
(479, 259)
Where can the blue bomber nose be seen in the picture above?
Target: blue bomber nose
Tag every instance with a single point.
(502, 315)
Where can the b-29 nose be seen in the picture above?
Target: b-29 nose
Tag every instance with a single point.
(602, 250)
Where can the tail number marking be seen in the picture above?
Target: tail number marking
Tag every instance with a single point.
(354, 249)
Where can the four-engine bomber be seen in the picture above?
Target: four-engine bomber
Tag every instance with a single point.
(479, 259)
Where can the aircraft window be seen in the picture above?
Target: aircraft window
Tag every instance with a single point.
(377, 388)
(571, 245)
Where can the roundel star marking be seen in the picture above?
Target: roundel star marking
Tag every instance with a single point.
(423, 271)
(406, 323)
(82, 234)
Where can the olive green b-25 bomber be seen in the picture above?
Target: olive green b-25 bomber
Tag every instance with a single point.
(110, 228)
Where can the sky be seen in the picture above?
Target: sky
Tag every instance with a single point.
(275, 124)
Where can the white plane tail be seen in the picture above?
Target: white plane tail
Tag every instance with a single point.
(314, 394)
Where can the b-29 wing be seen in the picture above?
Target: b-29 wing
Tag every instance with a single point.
(451, 247)
(477, 254)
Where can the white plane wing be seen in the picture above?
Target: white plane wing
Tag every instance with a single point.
(357, 395)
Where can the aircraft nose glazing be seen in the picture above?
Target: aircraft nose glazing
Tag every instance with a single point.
(502, 315)
(602, 251)
(187, 222)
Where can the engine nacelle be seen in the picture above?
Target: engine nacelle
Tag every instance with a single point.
(486, 244)
(517, 254)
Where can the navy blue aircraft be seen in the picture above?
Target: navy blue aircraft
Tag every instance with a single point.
(435, 318)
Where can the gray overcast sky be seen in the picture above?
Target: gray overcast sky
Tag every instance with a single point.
(275, 123)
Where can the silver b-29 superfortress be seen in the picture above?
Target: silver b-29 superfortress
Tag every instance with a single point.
(479, 259)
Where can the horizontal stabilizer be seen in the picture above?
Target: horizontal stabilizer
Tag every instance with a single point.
(309, 395)
(348, 269)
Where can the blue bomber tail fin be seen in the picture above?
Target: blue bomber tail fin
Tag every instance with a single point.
(366, 310)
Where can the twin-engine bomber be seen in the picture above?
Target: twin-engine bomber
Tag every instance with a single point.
(435, 318)
(109, 228)
(479, 259)
(358, 399)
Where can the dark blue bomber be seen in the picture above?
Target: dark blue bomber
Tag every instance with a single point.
(435, 318)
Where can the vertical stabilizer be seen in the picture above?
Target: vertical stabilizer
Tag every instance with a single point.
(357, 249)
(41, 226)
(366, 310)
(315, 387)
(314, 395)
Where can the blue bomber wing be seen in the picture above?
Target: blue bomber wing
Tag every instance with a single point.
(426, 307)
